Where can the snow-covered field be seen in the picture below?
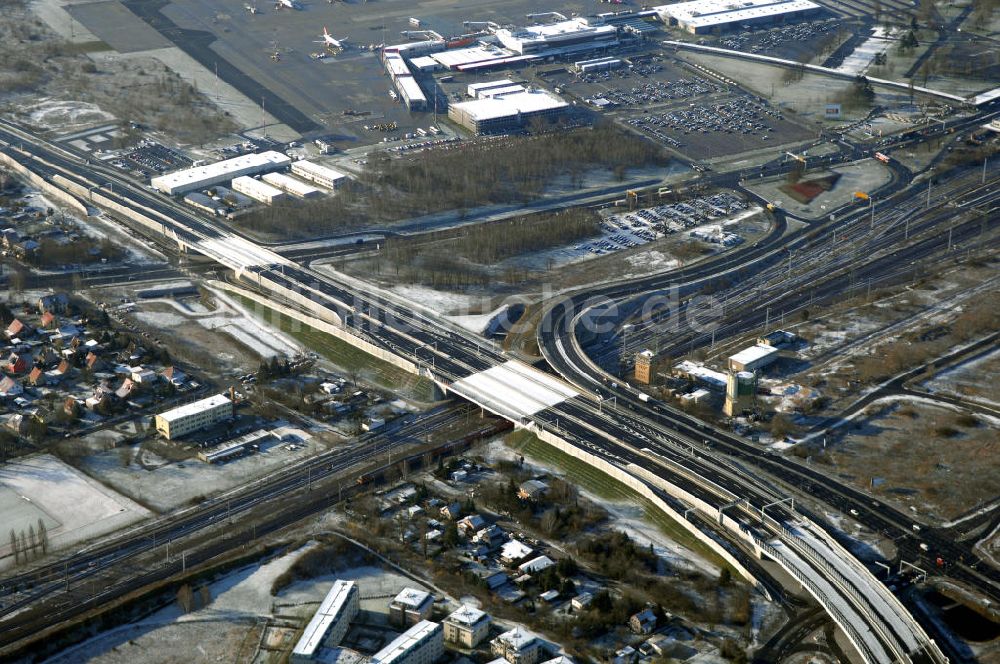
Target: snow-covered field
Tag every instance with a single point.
(74, 507)
(169, 485)
(210, 633)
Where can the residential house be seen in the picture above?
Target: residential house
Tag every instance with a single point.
(25, 248)
(451, 511)
(128, 387)
(92, 362)
(36, 377)
(536, 565)
(18, 423)
(71, 407)
(490, 536)
(10, 387)
(514, 551)
(49, 320)
(471, 524)
(56, 303)
(15, 364)
(643, 622)
(532, 490)
(8, 237)
(17, 329)
(626, 655)
(581, 601)
(143, 376)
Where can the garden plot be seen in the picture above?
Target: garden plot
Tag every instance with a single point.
(74, 507)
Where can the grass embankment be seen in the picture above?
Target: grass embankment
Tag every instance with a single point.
(350, 359)
(606, 487)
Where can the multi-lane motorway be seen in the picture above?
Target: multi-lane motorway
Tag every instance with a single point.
(649, 440)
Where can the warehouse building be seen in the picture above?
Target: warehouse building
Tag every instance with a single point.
(410, 606)
(196, 415)
(467, 626)
(330, 622)
(703, 16)
(291, 186)
(203, 177)
(558, 38)
(410, 93)
(248, 443)
(203, 203)
(753, 358)
(257, 190)
(421, 644)
(506, 112)
(321, 175)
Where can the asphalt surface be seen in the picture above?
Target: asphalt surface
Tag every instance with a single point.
(453, 355)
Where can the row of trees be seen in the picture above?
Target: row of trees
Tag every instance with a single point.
(30, 544)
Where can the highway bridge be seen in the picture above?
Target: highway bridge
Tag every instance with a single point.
(674, 465)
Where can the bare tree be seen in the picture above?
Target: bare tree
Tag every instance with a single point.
(185, 597)
(32, 541)
(206, 596)
(43, 536)
(13, 546)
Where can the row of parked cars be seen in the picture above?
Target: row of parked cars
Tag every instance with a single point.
(656, 92)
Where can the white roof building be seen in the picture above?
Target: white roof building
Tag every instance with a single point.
(425, 638)
(340, 603)
(505, 111)
(411, 598)
(753, 358)
(515, 550)
(475, 88)
(318, 174)
(257, 189)
(291, 185)
(700, 16)
(202, 177)
(195, 407)
(572, 34)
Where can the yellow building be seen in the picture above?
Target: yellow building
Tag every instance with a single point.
(193, 416)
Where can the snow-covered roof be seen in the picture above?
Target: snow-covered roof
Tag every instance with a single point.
(515, 550)
(717, 12)
(528, 101)
(402, 644)
(753, 353)
(411, 598)
(329, 611)
(467, 615)
(193, 178)
(195, 407)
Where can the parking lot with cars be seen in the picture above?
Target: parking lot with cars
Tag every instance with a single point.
(785, 41)
(632, 229)
(150, 158)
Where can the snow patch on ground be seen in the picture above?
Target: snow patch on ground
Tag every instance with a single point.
(74, 507)
(62, 115)
(478, 323)
(453, 304)
(652, 260)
